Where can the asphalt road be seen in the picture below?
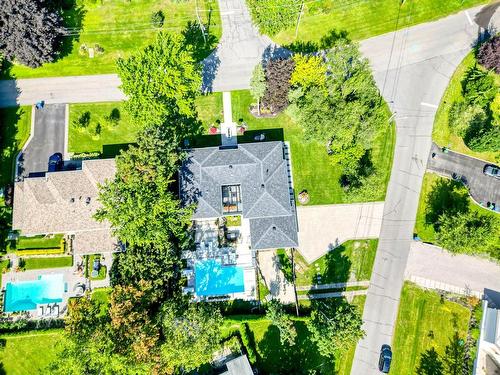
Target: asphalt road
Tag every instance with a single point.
(482, 188)
(47, 139)
(412, 68)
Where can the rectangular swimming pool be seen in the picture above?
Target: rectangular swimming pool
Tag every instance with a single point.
(26, 295)
(214, 279)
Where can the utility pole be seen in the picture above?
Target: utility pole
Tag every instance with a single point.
(202, 27)
(298, 19)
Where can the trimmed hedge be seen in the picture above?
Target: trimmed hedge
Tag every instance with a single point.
(22, 325)
(248, 342)
(50, 251)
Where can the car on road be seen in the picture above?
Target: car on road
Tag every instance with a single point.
(384, 362)
(55, 162)
(492, 170)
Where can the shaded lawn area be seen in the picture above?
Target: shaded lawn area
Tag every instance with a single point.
(30, 352)
(47, 262)
(424, 228)
(442, 133)
(101, 295)
(364, 19)
(353, 258)
(15, 127)
(423, 323)
(311, 167)
(86, 140)
(120, 28)
(273, 358)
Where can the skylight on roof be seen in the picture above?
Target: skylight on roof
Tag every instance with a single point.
(231, 199)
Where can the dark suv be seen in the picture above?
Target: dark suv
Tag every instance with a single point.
(384, 362)
(55, 162)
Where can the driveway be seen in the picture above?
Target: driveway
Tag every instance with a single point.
(46, 139)
(481, 187)
(322, 228)
(412, 68)
(464, 271)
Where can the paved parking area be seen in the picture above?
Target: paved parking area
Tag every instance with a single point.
(46, 139)
(322, 228)
(481, 187)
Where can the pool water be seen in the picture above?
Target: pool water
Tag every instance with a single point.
(214, 279)
(26, 295)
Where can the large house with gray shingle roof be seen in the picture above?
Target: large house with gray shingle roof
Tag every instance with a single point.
(252, 180)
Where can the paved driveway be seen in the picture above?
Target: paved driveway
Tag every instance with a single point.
(481, 187)
(46, 139)
(433, 263)
(322, 228)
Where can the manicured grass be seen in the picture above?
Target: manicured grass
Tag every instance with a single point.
(274, 358)
(47, 262)
(89, 268)
(210, 109)
(233, 221)
(39, 242)
(363, 19)
(4, 264)
(86, 140)
(15, 127)
(425, 230)
(442, 134)
(351, 261)
(311, 167)
(30, 352)
(424, 323)
(120, 28)
(101, 295)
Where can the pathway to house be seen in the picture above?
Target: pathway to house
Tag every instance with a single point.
(322, 228)
(228, 129)
(437, 267)
(412, 68)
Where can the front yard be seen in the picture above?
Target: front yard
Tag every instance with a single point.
(424, 327)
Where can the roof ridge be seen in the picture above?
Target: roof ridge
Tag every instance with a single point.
(278, 203)
(213, 150)
(270, 151)
(271, 228)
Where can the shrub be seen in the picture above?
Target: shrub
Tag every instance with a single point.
(83, 121)
(98, 129)
(157, 19)
(466, 120)
(248, 342)
(98, 49)
(489, 54)
(278, 74)
(20, 325)
(478, 87)
(114, 117)
(272, 16)
(488, 140)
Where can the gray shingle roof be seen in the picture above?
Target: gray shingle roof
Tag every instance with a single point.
(261, 171)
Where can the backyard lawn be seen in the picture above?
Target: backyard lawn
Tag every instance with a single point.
(423, 228)
(15, 127)
(351, 261)
(274, 358)
(363, 19)
(30, 352)
(47, 262)
(119, 28)
(442, 133)
(424, 322)
(39, 242)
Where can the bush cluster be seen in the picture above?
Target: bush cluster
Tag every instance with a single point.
(489, 54)
(272, 16)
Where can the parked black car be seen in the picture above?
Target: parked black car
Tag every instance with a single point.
(55, 162)
(384, 362)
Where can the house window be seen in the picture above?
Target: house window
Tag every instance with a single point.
(231, 199)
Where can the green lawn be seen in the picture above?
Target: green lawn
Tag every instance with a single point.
(363, 19)
(442, 133)
(351, 261)
(274, 358)
(120, 27)
(89, 267)
(209, 108)
(425, 230)
(30, 352)
(15, 127)
(424, 323)
(39, 242)
(47, 262)
(112, 134)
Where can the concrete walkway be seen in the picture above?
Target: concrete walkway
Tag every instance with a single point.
(429, 262)
(322, 228)
(228, 129)
(273, 277)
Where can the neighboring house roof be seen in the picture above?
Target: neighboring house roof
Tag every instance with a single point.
(488, 356)
(238, 366)
(65, 202)
(261, 172)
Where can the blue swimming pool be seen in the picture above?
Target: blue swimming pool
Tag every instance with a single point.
(26, 295)
(214, 279)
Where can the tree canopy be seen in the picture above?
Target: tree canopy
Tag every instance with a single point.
(30, 31)
(279, 318)
(258, 84)
(272, 16)
(489, 54)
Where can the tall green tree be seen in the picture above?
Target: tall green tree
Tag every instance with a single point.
(335, 327)
(258, 84)
(161, 81)
(280, 319)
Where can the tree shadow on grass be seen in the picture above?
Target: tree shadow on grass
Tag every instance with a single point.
(326, 42)
(337, 267)
(298, 359)
(430, 363)
(445, 196)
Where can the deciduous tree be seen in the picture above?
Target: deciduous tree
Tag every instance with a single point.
(30, 32)
(258, 84)
(279, 318)
(489, 54)
(278, 73)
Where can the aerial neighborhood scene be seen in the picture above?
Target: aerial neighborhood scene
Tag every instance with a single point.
(250, 187)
